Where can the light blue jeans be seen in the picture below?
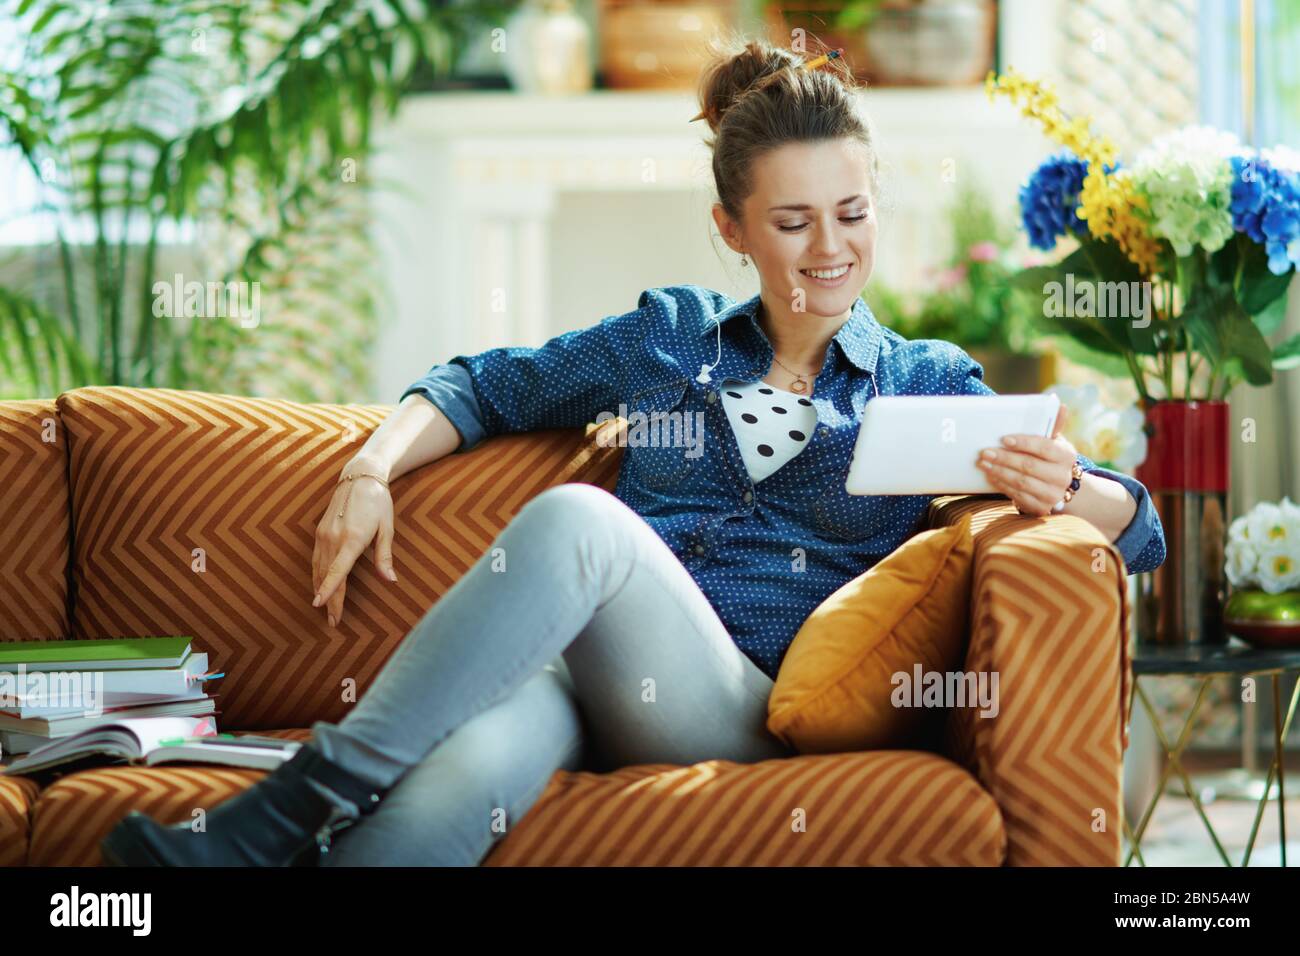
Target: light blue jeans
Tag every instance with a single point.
(577, 641)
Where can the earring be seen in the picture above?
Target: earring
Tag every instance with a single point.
(743, 260)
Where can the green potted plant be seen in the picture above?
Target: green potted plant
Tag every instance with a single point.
(142, 125)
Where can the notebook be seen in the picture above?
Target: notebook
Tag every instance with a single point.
(95, 655)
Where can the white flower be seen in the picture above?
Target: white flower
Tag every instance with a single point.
(1270, 526)
(1187, 180)
(1116, 436)
(1084, 404)
(1239, 530)
(1239, 562)
(1282, 157)
(1290, 508)
(1278, 570)
(1113, 436)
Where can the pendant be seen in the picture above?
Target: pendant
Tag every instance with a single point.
(799, 385)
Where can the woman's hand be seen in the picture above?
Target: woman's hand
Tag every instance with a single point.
(367, 517)
(1031, 470)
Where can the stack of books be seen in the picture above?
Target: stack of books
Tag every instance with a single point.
(51, 691)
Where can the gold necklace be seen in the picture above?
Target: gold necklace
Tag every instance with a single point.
(799, 383)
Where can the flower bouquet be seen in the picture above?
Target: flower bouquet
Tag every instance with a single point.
(1179, 269)
(1188, 251)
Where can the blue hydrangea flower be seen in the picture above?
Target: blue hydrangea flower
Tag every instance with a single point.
(1266, 207)
(1049, 200)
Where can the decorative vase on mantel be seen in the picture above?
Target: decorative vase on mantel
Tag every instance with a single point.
(1186, 472)
(548, 49)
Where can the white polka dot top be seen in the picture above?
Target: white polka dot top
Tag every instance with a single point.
(772, 425)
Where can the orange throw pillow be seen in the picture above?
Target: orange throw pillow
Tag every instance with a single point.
(858, 652)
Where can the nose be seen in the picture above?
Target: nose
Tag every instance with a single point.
(826, 241)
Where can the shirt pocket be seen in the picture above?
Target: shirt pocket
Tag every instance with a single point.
(661, 461)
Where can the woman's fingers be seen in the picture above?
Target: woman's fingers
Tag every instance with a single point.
(336, 572)
(384, 551)
(316, 556)
(334, 606)
(1030, 494)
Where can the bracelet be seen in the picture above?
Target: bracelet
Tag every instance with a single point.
(349, 479)
(1076, 478)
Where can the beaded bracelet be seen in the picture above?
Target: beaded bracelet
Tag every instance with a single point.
(349, 479)
(1076, 478)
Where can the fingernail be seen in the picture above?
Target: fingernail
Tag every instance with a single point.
(1009, 440)
(315, 602)
(392, 575)
(990, 456)
(332, 622)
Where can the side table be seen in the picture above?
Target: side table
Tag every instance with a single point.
(1204, 663)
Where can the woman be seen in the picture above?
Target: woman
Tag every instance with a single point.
(644, 626)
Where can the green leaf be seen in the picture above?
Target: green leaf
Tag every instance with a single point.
(1223, 332)
(1270, 318)
(1033, 279)
(1105, 260)
(1259, 288)
(1287, 355)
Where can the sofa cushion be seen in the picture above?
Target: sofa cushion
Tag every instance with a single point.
(884, 808)
(887, 808)
(17, 795)
(196, 514)
(837, 687)
(34, 522)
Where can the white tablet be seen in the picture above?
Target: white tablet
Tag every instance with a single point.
(930, 444)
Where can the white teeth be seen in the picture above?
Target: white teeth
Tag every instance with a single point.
(825, 273)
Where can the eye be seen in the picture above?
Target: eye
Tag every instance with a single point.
(801, 226)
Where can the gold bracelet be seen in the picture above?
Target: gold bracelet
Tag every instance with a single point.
(349, 479)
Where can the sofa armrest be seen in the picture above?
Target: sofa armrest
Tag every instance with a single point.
(1049, 616)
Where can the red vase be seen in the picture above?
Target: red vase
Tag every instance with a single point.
(1186, 472)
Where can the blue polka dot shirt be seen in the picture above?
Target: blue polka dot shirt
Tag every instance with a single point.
(765, 553)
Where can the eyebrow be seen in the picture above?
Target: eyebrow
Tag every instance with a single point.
(804, 207)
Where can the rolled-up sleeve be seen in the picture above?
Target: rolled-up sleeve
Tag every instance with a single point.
(564, 383)
(1142, 542)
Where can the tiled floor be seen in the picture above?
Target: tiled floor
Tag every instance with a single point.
(1176, 835)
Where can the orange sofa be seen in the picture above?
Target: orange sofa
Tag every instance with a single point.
(127, 512)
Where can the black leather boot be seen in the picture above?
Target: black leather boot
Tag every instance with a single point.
(282, 820)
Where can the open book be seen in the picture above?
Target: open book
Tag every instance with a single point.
(155, 740)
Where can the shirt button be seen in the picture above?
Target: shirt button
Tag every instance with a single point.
(699, 549)
(711, 397)
(823, 431)
(748, 496)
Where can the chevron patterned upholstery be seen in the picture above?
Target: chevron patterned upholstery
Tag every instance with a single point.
(1049, 615)
(196, 514)
(34, 535)
(17, 795)
(881, 808)
(153, 474)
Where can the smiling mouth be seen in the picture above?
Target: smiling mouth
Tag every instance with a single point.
(832, 272)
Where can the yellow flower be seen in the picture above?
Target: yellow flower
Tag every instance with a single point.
(1107, 201)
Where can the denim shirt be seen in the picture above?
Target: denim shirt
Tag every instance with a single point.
(765, 554)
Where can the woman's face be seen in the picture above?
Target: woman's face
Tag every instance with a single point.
(812, 208)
